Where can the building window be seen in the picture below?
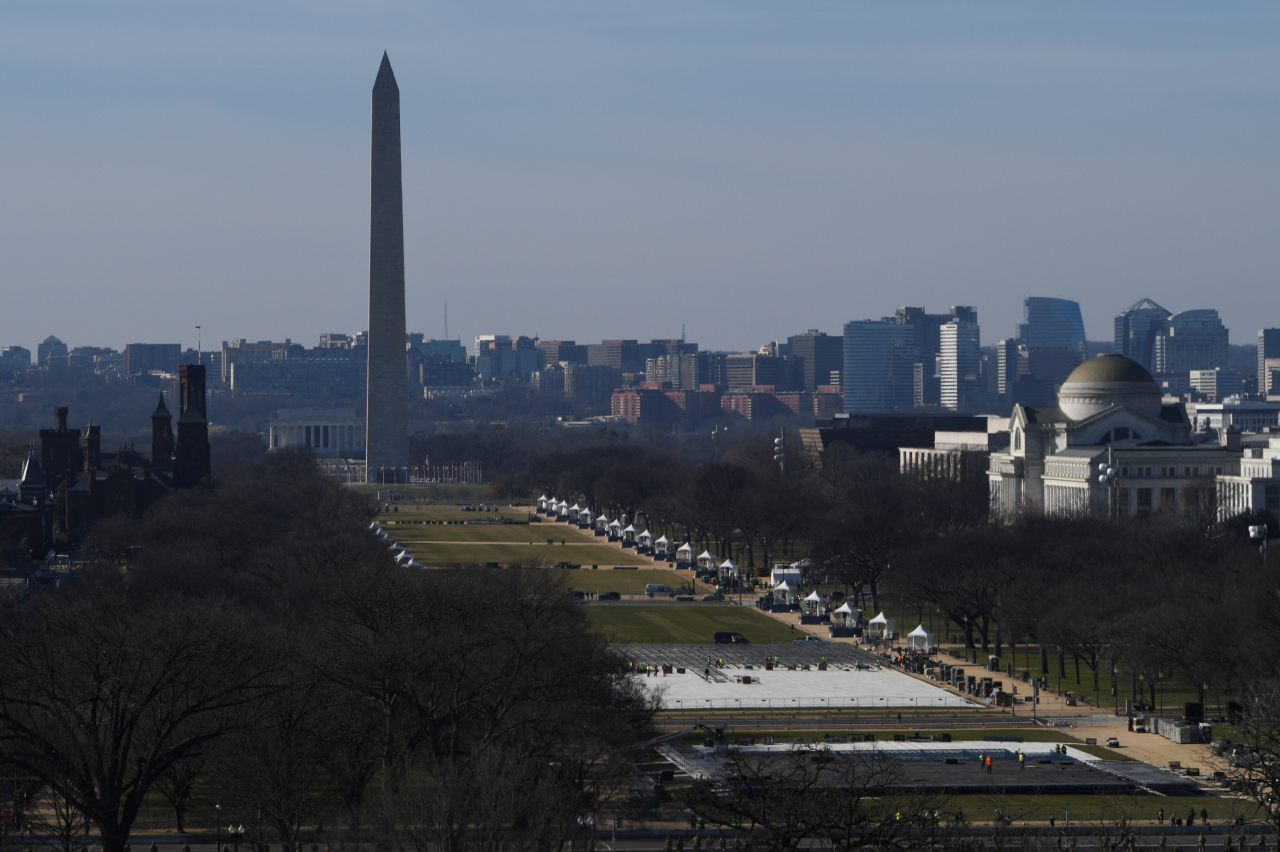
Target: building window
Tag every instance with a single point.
(1144, 499)
(1017, 439)
(1272, 498)
(309, 436)
(325, 439)
(1124, 471)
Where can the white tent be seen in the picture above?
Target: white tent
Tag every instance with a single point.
(846, 616)
(784, 574)
(815, 604)
(662, 547)
(920, 639)
(684, 554)
(706, 561)
(727, 570)
(585, 518)
(574, 510)
(645, 538)
(883, 627)
(784, 593)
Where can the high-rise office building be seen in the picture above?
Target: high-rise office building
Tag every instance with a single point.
(818, 355)
(1135, 331)
(879, 365)
(927, 381)
(142, 358)
(1268, 361)
(960, 364)
(1051, 322)
(1190, 340)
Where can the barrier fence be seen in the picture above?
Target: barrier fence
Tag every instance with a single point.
(856, 702)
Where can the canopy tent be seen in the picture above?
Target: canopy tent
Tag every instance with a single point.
(846, 616)
(574, 510)
(883, 627)
(784, 593)
(784, 574)
(706, 561)
(662, 547)
(585, 518)
(645, 537)
(814, 604)
(563, 509)
(616, 526)
(920, 639)
(727, 570)
(628, 535)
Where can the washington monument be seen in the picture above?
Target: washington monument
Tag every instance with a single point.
(387, 417)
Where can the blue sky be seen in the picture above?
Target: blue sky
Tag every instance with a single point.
(599, 170)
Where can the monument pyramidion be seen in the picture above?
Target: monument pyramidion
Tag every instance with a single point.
(387, 410)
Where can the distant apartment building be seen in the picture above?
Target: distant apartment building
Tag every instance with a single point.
(879, 366)
(749, 370)
(817, 355)
(14, 358)
(1217, 384)
(141, 358)
(589, 384)
(960, 364)
(926, 330)
(241, 351)
(1269, 362)
(562, 351)
(1190, 340)
(1049, 322)
(499, 357)
(304, 377)
(51, 352)
(1135, 331)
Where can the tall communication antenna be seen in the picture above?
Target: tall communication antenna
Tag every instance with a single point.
(446, 319)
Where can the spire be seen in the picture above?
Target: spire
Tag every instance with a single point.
(161, 411)
(32, 475)
(386, 80)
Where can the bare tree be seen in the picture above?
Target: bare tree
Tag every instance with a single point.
(102, 695)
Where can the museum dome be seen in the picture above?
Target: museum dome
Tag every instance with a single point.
(1106, 381)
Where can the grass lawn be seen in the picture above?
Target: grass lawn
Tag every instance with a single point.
(685, 623)
(516, 554)
(1098, 809)
(471, 532)
(623, 582)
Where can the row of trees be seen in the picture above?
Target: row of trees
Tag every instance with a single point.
(259, 642)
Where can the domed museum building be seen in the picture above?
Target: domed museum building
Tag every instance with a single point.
(1109, 446)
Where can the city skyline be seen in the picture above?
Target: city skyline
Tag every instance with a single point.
(691, 161)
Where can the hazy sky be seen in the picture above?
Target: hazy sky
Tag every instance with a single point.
(600, 170)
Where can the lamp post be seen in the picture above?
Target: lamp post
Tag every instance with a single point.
(1258, 533)
(1108, 477)
(218, 816)
(236, 832)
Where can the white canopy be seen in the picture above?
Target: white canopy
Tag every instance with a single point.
(602, 520)
(844, 607)
(684, 548)
(575, 508)
(814, 596)
(645, 536)
(585, 513)
(728, 564)
(783, 587)
(662, 540)
(786, 573)
(888, 627)
(630, 528)
(615, 524)
(706, 554)
(920, 638)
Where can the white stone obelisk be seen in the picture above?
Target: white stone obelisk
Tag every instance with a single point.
(387, 412)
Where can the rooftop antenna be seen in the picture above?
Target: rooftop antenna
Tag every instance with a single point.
(446, 319)
(199, 346)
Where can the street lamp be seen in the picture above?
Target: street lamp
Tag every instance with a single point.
(218, 815)
(236, 832)
(1108, 476)
(1258, 533)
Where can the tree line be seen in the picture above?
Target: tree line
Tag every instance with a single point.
(259, 643)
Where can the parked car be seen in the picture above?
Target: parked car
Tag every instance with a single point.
(809, 639)
(715, 596)
(610, 596)
(1113, 742)
(730, 637)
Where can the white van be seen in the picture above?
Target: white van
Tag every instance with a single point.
(659, 589)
